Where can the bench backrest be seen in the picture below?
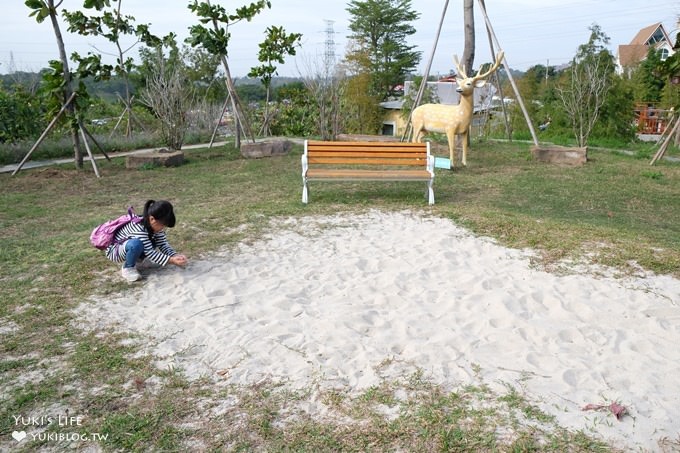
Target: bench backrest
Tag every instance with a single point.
(367, 153)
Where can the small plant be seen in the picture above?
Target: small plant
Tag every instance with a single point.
(644, 154)
(656, 175)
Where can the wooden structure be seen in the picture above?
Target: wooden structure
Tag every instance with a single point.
(650, 119)
(670, 133)
(84, 134)
(367, 161)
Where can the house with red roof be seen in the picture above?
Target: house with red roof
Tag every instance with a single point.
(653, 36)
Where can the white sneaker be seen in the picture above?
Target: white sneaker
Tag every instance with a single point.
(130, 274)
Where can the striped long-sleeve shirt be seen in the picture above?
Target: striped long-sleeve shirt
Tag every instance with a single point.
(159, 251)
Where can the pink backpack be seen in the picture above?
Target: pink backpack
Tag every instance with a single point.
(105, 234)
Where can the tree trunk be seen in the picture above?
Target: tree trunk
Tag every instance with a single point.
(469, 25)
(125, 76)
(239, 118)
(70, 108)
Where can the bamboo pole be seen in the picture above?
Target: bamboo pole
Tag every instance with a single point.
(664, 145)
(423, 84)
(507, 69)
(44, 134)
(87, 148)
(87, 132)
(498, 82)
(224, 109)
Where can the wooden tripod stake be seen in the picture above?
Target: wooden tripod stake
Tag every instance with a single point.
(83, 132)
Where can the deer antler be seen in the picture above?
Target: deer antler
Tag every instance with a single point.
(499, 58)
(459, 68)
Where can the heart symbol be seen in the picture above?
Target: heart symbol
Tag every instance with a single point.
(18, 435)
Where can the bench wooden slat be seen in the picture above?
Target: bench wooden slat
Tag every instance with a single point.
(311, 144)
(365, 148)
(375, 175)
(372, 153)
(375, 161)
(366, 161)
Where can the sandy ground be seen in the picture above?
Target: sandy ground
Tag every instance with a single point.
(330, 300)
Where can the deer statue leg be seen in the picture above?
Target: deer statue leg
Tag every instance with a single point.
(417, 132)
(464, 140)
(451, 138)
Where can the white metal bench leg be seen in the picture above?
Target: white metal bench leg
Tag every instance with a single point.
(430, 193)
(305, 194)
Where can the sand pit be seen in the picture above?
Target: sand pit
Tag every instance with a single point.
(329, 299)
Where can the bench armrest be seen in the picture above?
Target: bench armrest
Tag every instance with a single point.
(305, 162)
(430, 160)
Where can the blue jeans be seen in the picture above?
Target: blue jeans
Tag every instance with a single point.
(134, 249)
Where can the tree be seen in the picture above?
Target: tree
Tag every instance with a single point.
(273, 49)
(647, 78)
(617, 115)
(670, 69)
(215, 40)
(19, 114)
(297, 111)
(113, 25)
(469, 26)
(429, 97)
(587, 83)
(202, 71)
(362, 113)
(324, 86)
(379, 29)
(166, 92)
(59, 80)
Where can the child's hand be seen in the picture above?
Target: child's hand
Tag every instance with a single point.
(178, 260)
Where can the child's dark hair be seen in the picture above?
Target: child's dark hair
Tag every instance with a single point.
(160, 210)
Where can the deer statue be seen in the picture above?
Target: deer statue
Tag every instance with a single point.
(452, 120)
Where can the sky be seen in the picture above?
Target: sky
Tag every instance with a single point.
(531, 32)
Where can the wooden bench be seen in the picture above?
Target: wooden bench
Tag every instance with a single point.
(367, 161)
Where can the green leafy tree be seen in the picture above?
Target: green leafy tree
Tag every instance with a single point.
(170, 56)
(429, 97)
(297, 111)
(362, 113)
(202, 71)
(647, 78)
(616, 119)
(380, 29)
(251, 93)
(66, 88)
(213, 35)
(670, 70)
(113, 26)
(273, 49)
(19, 111)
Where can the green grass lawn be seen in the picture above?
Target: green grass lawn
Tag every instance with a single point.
(616, 211)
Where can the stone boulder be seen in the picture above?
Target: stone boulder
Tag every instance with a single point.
(561, 155)
(160, 158)
(266, 149)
